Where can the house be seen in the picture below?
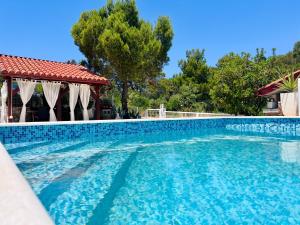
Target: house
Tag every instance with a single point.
(280, 103)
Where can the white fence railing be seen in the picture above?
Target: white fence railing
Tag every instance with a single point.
(162, 113)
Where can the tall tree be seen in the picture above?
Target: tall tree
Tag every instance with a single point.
(234, 85)
(194, 66)
(193, 91)
(119, 44)
(188, 90)
(296, 52)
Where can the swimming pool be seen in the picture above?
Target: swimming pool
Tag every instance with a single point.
(237, 172)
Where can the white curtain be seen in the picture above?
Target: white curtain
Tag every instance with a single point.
(4, 95)
(74, 91)
(26, 90)
(85, 97)
(51, 91)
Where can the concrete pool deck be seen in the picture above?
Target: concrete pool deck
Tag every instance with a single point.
(18, 203)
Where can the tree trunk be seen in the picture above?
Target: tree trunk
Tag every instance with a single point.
(124, 99)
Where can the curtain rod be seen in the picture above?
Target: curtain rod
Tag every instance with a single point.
(63, 82)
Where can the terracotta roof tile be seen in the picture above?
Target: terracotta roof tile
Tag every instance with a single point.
(23, 67)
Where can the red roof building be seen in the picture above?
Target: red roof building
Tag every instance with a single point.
(28, 68)
(273, 88)
(12, 67)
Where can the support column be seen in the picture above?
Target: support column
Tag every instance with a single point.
(97, 90)
(58, 106)
(9, 99)
(298, 96)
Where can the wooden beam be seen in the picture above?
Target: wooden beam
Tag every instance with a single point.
(15, 91)
(93, 93)
(64, 91)
(97, 90)
(58, 105)
(9, 99)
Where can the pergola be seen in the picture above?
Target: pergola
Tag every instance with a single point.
(15, 68)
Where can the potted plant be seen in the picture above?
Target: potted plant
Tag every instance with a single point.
(271, 103)
(289, 97)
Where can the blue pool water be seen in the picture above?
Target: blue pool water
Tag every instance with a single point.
(212, 176)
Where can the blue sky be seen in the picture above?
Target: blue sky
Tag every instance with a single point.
(41, 29)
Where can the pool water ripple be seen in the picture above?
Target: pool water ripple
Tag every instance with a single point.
(212, 176)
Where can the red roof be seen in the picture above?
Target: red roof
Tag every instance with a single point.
(22, 67)
(274, 86)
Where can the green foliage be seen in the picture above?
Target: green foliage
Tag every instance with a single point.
(260, 55)
(187, 91)
(296, 52)
(235, 82)
(39, 88)
(131, 52)
(131, 114)
(289, 84)
(117, 43)
(194, 89)
(174, 103)
(237, 78)
(230, 87)
(137, 100)
(114, 94)
(194, 67)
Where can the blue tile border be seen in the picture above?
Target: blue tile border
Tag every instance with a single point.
(65, 131)
(274, 126)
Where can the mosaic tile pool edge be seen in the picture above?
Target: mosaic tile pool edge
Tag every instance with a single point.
(14, 134)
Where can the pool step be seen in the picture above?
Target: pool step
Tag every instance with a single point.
(101, 212)
(57, 164)
(10, 146)
(89, 189)
(30, 164)
(65, 180)
(28, 146)
(71, 147)
(37, 153)
(26, 166)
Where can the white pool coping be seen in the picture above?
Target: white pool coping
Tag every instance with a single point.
(18, 203)
(140, 120)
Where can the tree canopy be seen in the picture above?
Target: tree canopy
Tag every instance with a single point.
(130, 51)
(296, 52)
(119, 44)
(234, 83)
(228, 87)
